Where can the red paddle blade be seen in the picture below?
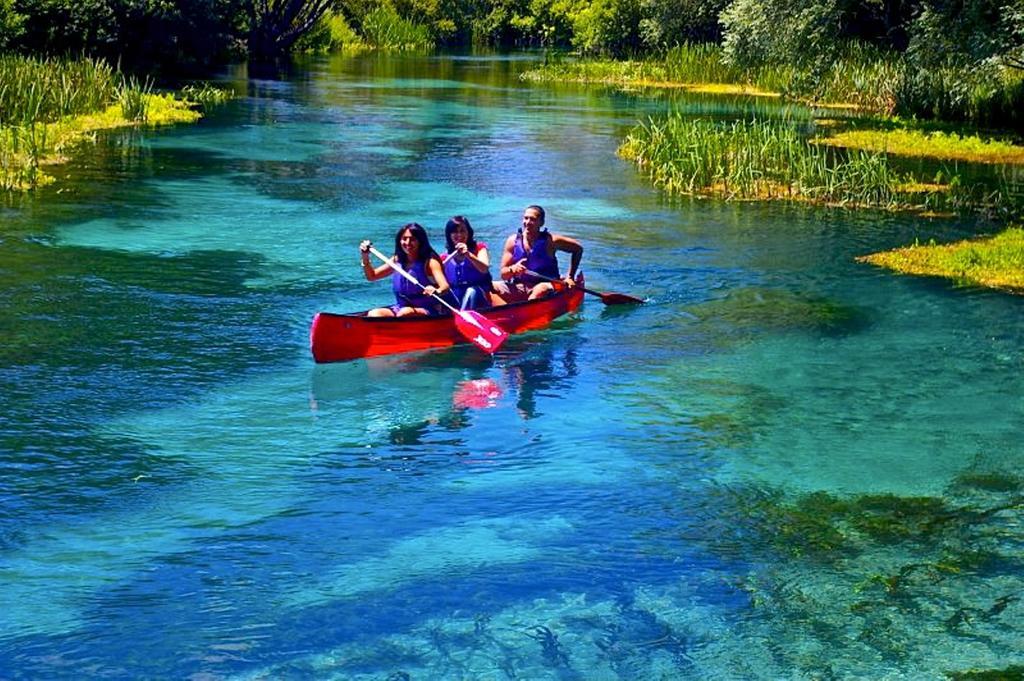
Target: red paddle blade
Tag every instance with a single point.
(619, 299)
(480, 331)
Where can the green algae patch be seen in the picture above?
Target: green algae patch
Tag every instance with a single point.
(736, 89)
(1011, 673)
(750, 409)
(825, 527)
(752, 309)
(994, 262)
(928, 144)
(629, 81)
(990, 481)
(879, 575)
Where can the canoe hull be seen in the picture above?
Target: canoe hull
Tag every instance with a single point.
(342, 337)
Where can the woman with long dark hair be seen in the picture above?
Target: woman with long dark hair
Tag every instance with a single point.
(415, 255)
(466, 264)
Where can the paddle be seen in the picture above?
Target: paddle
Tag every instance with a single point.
(606, 298)
(478, 329)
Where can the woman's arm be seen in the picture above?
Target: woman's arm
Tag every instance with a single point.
(481, 260)
(436, 271)
(369, 271)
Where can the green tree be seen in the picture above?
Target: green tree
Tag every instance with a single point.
(504, 23)
(780, 31)
(179, 36)
(276, 25)
(11, 24)
(608, 27)
(811, 33)
(969, 33)
(667, 23)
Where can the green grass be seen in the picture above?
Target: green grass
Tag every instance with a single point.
(49, 105)
(994, 262)
(383, 28)
(773, 160)
(758, 160)
(864, 78)
(45, 90)
(205, 95)
(692, 66)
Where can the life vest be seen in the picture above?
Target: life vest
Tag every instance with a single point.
(462, 275)
(538, 259)
(408, 293)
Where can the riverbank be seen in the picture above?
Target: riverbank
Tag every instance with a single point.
(772, 160)
(26, 152)
(994, 262)
(48, 107)
(869, 90)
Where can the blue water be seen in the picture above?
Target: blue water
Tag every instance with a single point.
(786, 464)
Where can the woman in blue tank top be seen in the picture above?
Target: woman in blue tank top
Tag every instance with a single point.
(415, 255)
(466, 265)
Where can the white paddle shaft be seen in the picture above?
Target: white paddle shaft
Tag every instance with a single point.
(401, 270)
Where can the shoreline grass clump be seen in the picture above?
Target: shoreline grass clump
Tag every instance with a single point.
(993, 262)
(46, 90)
(695, 67)
(760, 160)
(48, 105)
(384, 28)
(862, 77)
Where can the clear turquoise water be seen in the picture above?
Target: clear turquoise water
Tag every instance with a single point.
(785, 465)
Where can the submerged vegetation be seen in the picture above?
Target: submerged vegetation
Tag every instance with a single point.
(883, 574)
(47, 106)
(766, 308)
(995, 262)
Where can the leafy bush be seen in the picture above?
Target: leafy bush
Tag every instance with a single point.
(11, 24)
(330, 34)
(668, 23)
(608, 27)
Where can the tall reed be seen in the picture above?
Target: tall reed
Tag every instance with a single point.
(757, 160)
(46, 104)
(705, 63)
(384, 28)
(688, 64)
(134, 98)
(45, 90)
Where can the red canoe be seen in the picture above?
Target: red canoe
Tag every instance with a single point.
(341, 337)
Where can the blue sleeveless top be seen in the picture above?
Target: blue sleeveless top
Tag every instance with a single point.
(537, 259)
(408, 293)
(462, 275)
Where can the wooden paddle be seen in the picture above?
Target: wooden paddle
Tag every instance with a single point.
(606, 298)
(478, 329)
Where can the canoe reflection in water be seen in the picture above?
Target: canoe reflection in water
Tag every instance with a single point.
(540, 372)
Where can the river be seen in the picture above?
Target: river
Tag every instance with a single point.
(786, 464)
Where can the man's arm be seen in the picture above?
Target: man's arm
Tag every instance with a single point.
(509, 268)
(574, 248)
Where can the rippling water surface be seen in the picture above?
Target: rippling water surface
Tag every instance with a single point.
(784, 465)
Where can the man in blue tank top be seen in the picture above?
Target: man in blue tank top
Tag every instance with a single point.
(532, 249)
